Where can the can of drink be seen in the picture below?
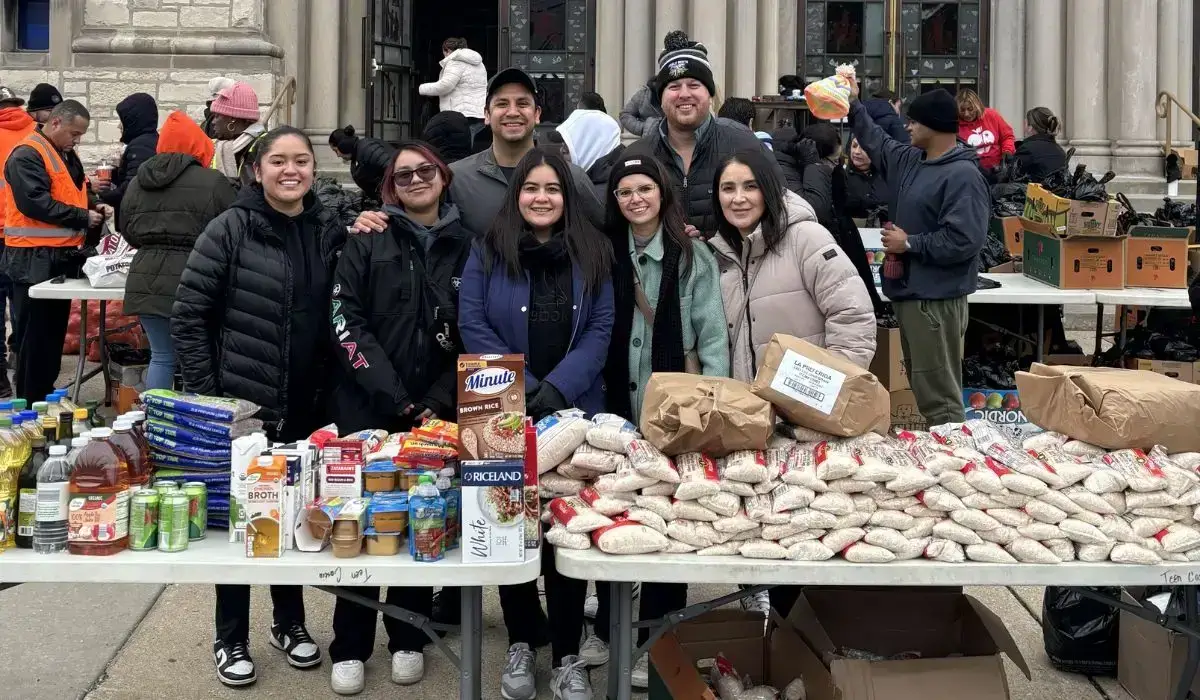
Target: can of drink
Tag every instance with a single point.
(173, 521)
(197, 494)
(165, 483)
(143, 520)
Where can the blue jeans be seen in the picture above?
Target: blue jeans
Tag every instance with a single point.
(162, 352)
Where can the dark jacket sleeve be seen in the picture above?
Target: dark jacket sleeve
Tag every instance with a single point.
(26, 175)
(370, 368)
(371, 159)
(962, 224)
(137, 152)
(199, 303)
(890, 157)
(817, 190)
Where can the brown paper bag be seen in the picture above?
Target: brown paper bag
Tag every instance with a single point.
(812, 387)
(1113, 408)
(716, 416)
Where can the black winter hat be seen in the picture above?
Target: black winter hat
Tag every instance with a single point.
(688, 62)
(937, 110)
(44, 96)
(639, 165)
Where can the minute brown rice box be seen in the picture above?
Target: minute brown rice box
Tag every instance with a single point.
(491, 406)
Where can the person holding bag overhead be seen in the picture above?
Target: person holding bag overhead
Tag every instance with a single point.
(537, 284)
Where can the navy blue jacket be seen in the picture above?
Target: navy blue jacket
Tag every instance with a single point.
(886, 118)
(492, 318)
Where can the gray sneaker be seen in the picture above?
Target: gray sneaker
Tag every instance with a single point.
(518, 681)
(570, 681)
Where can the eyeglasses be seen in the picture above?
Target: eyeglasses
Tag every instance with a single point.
(404, 178)
(626, 193)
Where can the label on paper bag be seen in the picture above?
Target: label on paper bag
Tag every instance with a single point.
(808, 382)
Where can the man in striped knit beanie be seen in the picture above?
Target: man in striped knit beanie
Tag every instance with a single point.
(642, 113)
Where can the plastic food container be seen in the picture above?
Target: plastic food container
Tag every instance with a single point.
(347, 542)
(388, 512)
(383, 543)
(379, 477)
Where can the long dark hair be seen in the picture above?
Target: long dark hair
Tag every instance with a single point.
(774, 219)
(586, 246)
(670, 214)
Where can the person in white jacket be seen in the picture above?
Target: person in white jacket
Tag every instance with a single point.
(462, 86)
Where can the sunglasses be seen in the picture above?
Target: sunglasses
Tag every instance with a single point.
(404, 178)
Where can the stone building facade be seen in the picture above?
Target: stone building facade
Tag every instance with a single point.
(1099, 64)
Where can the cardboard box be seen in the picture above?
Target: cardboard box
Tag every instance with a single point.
(1012, 266)
(265, 519)
(1009, 230)
(244, 451)
(493, 510)
(888, 364)
(1001, 407)
(1150, 658)
(1189, 158)
(905, 414)
(1157, 256)
(1073, 262)
(959, 639)
(1183, 371)
(491, 406)
(1069, 217)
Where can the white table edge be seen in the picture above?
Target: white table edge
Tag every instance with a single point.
(75, 289)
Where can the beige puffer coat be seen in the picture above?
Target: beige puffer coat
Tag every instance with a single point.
(807, 288)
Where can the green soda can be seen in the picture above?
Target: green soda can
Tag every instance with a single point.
(143, 520)
(173, 522)
(197, 494)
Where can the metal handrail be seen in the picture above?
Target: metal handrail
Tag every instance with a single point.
(1162, 107)
(289, 92)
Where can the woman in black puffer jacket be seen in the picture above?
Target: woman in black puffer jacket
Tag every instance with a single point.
(251, 321)
(368, 158)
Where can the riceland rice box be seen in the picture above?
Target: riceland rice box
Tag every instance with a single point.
(491, 406)
(493, 510)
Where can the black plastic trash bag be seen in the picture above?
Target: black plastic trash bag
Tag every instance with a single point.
(1177, 213)
(1080, 634)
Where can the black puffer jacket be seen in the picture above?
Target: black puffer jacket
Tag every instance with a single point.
(139, 133)
(164, 211)
(395, 321)
(788, 157)
(234, 314)
(1039, 155)
(371, 159)
(720, 139)
(602, 169)
(865, 195)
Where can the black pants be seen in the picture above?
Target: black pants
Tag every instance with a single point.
(783, 598)
(42, 326)
(354, 624)
(527, 623)
(658, 599)
(233, 610)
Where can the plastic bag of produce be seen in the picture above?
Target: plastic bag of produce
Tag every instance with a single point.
(1080, 634)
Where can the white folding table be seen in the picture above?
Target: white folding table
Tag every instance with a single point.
(1161, 298)
(215, 560)
(623, 571)
(81, 289)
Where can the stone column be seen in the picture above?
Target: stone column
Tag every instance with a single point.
(745, 48)
(768, 48)
(321, 88)
(287, 27)
(639, 58)
(1169, 59)
(1007, 61)
(1135, 149)
(708, 26)
(1086, 116)
(1044, 61)
(669, 15)
(1183, 126)
(610, 68)
(353, 106)
(789, 12)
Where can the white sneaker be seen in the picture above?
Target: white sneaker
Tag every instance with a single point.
(408, 667)
(593, 651)
(640, 678)
(591, 606)
(570, 681)
(758, 603)
(348, 677)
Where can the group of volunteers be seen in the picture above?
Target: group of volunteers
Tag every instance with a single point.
(601, 264)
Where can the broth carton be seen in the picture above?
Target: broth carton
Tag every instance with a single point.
(265, 512)
(491, 406)
(493, 511)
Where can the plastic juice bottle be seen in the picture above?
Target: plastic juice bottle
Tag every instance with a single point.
(138, 418)
(136, 457)
(77, 445)
(80, 423)
(27, 488)
(50, 524)
(10, 470)
(98, 510)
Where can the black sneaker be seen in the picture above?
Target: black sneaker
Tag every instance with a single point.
(447, 607)
(6, 390)
(235, 668)
(301, 650)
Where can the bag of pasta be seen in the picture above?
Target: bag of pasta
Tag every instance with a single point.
(829, 98)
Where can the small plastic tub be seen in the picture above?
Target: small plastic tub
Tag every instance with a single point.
(347, 542)
(379, 477)
(383, 543)
(388, 512)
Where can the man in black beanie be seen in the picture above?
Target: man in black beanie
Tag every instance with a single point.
(44, 98)
(939, 204)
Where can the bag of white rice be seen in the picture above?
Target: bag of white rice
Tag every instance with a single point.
(763, 549)
(1127, 553)
(986, 435)
(612, 433)
(989, 552)
(922, 527)
(882, 462)
(1186, 460)
(648, 518)
(839, 539)
(1153, 545)
(697, 534)
(724, 549)
(1176, 513)
(746, 466)
(723, 504)
(801, 468)
(810, 550)
(851, 485)
(692, 510)
(1044, 440)
(920, 511)
(1147, 527)
(559, 434)
(630, 479)
(552, 485)
(777, 458)
(1023, 484)
(893, 519)
(698, 476)
(1010, 516)
(832, 502)
(1011, 499)
(984, 475)
(1090, 501)
(977, 520)
(802, 536)
(1119, 529)
(1150, 499)
(864, 503)
(1024, 463)
(1178, 537)
(761, 509)
(799, 433)
(863, 553)
(887, 538)
(1041, 532)
(1061, 502)
(937, 459)
(577, 516)
(810, 519)
(1079, 448)
(754, 533)
(573, 472)
(951, 434)
(939, 499)
(899, 504)
(1139, 471)
(609, 504)
(589, 456)
(855, 519)
(1063, 549)
(547, 517)
(1029, 551)
(1105, 480)
(950, 530)
(1094, 552)
(947, 551)
(560, 536)
(835, 459)
(737, 488)
(1002, 535)
(1045, 512)
(914, 549)
(734, 524)
(981, 501)
(659, 505)
(787, 497)
(766, 486)
(910, 481)
(662, 488)
(956, 483)
(778, 532)
(649, 462)
(677, 547)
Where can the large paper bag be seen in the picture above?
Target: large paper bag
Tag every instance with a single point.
(692, 413)
(1113, 408)
(812, 387)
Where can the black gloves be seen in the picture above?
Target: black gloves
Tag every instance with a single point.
(543, 401)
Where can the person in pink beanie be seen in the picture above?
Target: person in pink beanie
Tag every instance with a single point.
(235, 126)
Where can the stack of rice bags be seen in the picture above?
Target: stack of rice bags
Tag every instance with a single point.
(190, 437)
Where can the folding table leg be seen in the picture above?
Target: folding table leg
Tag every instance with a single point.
(1099, 330)
(470, 685)
(79, 366)
(1041, 332)
(623, 639)
(614, 633)
(104, 368)
(1183, 690)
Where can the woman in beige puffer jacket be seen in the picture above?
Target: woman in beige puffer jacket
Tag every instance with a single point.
(803, 285)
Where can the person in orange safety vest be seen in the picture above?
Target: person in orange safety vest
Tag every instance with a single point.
(15, 125)
(48, 214)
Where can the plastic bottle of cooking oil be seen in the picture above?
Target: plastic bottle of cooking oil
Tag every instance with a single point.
(10, 471)
(27, 488)
(98, 510)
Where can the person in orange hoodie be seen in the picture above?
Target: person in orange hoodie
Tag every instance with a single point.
(983, 129)
(166, 206)
(15, 125)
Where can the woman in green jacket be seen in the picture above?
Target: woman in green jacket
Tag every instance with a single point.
(669, 318)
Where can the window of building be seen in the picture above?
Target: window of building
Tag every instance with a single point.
(551, 40)
(31, 18)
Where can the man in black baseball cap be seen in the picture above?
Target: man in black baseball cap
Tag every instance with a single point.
(8, 98)
(44, 98)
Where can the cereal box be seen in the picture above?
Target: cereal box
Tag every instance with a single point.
(264, 511)
(491, 406)
(493, 511)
